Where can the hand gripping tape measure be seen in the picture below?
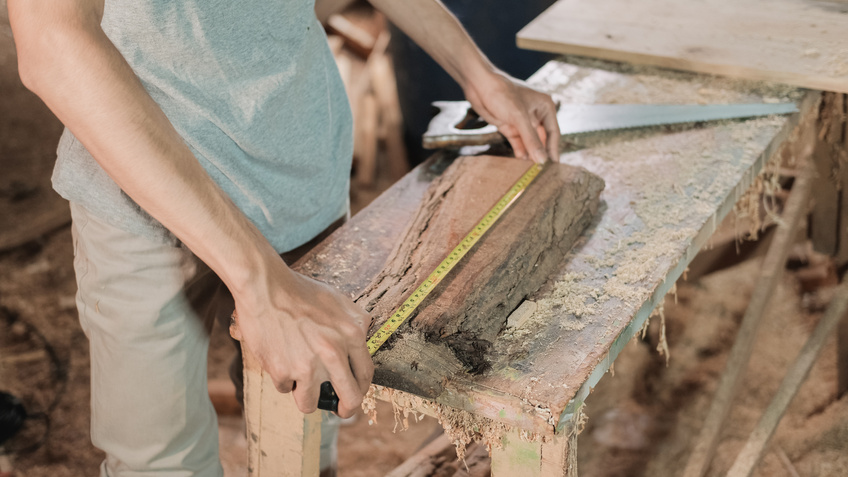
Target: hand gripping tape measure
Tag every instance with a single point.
(328, 400)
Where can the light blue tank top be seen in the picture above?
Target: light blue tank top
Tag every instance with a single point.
(253, 89)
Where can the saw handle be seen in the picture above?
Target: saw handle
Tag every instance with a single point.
(328, 400)
(455, 126)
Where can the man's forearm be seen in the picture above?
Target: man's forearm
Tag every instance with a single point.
(440, 34)
(303, 332)
(69, 62)
(527, 118)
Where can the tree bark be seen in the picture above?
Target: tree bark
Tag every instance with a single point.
(453, 328)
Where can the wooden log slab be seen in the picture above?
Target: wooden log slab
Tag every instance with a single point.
(453, 329)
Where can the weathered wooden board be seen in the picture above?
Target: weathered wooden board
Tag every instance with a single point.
(453, 329)
(799, 42)
(666, 189)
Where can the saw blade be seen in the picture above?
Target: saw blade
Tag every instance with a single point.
(584, 118)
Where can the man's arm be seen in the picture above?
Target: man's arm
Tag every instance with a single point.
(301, 330)
(525, 116)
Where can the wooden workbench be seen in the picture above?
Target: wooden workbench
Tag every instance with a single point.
(667, 188)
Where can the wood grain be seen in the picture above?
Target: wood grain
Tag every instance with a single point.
(795, 42)
(457, 324)
(281, 440)
(517, 456)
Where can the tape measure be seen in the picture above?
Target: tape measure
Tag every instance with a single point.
(328, 400)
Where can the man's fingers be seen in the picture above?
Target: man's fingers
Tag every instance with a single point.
(306, 394)
(363, 367)
(549, 121)
(350, 396)
(530, 138)
(511, 135)
(286, 386)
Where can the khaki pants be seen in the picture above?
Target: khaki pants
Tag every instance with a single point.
(147, 309)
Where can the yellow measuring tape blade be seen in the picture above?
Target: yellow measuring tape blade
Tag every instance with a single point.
(405, 310)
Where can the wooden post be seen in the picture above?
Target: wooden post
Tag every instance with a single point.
(531, 459)
(842, 358)
(281, 440)
(829, 218)
(419, 464)
(754, 449)
(772, 269)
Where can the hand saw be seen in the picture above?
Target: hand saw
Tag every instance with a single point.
(456, 125)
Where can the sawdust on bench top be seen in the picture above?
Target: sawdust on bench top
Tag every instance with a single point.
(669, 208)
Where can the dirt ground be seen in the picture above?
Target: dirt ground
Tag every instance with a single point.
(642, 421)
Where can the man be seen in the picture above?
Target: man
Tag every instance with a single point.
(216, 130)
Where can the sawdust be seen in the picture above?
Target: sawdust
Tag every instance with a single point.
(637, 264)
(570, 296)
(461, 427)
(662, 346)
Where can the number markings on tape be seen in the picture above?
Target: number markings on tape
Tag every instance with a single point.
(408, 307)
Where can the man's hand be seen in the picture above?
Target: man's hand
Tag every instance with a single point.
(306, 333)
(526, 117)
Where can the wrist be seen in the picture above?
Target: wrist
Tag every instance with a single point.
(476, 73)
(485, 84)
(248, 272)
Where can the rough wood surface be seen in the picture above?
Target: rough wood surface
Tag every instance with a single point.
(799, 42)
(666, 190)
(454, 328)
(281, 440)
(517, 456)
(829, 219)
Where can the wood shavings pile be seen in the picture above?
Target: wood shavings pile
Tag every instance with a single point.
(570, 296)
(460, 427)
(682, 192)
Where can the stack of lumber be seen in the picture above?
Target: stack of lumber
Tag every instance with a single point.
(359, 38)
(801, 43)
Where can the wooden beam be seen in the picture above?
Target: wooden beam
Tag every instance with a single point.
(356, 38)
(365, 140)
(842, 358)
(391, 119)
(420, 463)
(748, 40)
(829, 218)
(518, 456)
(772, 269)
(747, 460)
(455, 326)
(281, 440)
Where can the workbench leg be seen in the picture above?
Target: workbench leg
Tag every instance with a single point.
(842, 357)
(281, 440)
(533, 459)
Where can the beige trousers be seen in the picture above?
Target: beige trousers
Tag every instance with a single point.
(147, 309)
